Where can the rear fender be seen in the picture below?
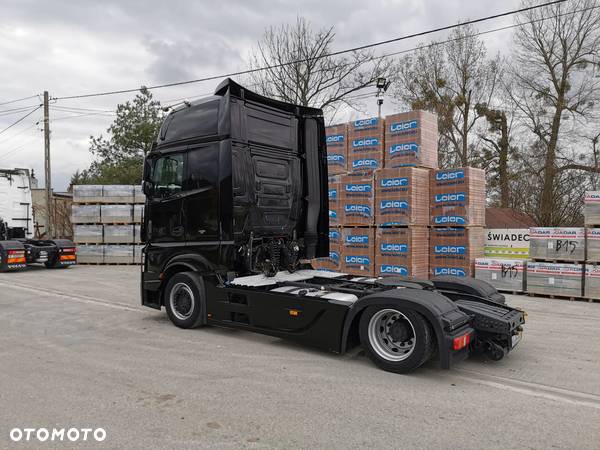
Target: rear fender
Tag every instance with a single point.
(5, 247)
(441, 313)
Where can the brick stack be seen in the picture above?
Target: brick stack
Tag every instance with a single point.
(106, 223)
(365, 145)
(411, 139)
(337, 149)
(557, 257)
(457, 215)
(382, 203)
(591, 213)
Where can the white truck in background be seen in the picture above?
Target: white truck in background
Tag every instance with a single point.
(18, 248)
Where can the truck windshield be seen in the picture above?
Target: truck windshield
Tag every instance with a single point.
(167, 176)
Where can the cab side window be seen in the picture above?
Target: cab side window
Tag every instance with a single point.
(167, 176)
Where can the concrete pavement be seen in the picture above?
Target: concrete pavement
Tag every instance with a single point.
(78, 350)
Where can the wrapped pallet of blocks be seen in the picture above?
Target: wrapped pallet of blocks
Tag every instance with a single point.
(592, 281)
(503, 274)
(117, 193)
(401, 196)
(357, 200)
(116, 213)
(453, 250)
(365, 145)
(118, 234)
(138, 194)
(457, 197)
(85, 214)
(137, 254)
(88, 234)
(358, 251)
(337, 139)
(138, 213)
(90, 254)
(591, 208)
(87, 193)
(411, 139)
(592, 242)
(402, 251)
(557, 244)
(118, 254)
(561, 279)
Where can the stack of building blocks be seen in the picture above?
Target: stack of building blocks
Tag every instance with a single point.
(453, 250)
(365, 145)
(557, 244)
(357, 200)
(402, 251)
(557, 261)
(503, 274)
(457, 215)
(358, 251)
(592, 281)
(591, 208)
(555, 279)
(385, 194)
(411, 139)
(337, 149)
(401, 196)
(106, 223)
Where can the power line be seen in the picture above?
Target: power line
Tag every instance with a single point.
(20, 132)
(9, 112)
(19, 100)
(339, 52)
(20, 120)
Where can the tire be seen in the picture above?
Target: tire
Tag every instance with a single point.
(185, 299)
(385, 328)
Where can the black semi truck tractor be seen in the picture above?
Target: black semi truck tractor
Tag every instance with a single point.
(236, 206)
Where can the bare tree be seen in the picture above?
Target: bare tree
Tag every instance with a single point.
(450, 79)
(499, 154)
(300, 70)
(555, 64)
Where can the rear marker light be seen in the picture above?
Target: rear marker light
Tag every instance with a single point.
(461, 341)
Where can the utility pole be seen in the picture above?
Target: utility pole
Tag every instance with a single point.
(48, 176)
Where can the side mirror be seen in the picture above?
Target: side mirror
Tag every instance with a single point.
(147, 188)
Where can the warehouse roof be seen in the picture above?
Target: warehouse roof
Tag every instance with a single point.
(507, 218)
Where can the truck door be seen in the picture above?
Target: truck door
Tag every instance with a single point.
(201, 202)
(164, 214)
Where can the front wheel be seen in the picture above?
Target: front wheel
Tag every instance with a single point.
(184, 300)
(396, 339)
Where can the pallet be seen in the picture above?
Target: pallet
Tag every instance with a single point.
(564, 297)
(555, 261)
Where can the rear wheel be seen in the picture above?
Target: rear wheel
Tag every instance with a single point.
(184, 299)
(396, 339)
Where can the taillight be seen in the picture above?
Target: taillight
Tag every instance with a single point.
(15, 257)
(461, 341)
(68, 254)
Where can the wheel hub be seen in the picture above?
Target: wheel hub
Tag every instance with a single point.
(392, 335)
(182, 301)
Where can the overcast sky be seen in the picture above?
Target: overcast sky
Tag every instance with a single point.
(82, 46)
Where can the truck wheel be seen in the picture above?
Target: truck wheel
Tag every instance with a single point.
(184, 299)
(396, 339)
